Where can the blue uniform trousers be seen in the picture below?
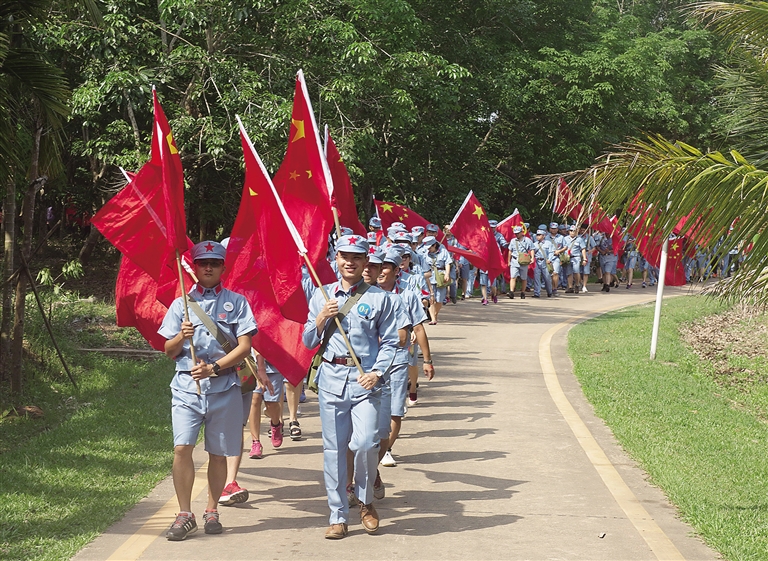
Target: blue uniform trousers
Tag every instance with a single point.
(349, 422)
(539, 273)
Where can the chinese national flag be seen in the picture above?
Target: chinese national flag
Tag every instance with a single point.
(506, 226)
(145, 221)
(393, 212)
(278, 339)
(471, 229)
(471, 256)
(302, 183)
(136, 303)
(599, 221)
(649, 241)
(690, 227)
(343, 198)
(565, 202)
(675, 275)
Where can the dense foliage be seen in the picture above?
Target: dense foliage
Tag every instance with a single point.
(427, 99)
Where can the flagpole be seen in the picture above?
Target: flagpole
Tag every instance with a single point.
(333, 208)
(186, 314)
(659, 296)
(460, 209)
(299, 243)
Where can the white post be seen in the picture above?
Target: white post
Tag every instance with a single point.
(659, 296)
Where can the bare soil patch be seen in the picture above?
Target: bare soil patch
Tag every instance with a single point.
(734, 342)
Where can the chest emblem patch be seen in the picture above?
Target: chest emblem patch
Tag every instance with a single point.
(222, 315)
(228, 306)
(364, 310)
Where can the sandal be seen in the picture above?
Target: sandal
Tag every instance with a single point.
(295, 430)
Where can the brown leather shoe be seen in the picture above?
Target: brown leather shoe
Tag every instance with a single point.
(336, 531)
(369, 518)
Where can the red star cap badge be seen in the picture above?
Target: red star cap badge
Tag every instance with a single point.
(209, 247)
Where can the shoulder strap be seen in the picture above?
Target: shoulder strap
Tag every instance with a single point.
(210, 325)
(331, 329)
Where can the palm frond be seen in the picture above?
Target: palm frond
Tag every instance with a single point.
(676, 180)
(744, 24)
(40, 79)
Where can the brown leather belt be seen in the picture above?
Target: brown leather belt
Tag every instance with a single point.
(343, 360)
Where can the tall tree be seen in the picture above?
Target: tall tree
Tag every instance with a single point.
(715, 192)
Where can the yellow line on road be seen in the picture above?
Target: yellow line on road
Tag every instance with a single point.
(657, 540)
(153, 528)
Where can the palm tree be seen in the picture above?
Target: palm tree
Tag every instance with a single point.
(718, 189)
(34, 97)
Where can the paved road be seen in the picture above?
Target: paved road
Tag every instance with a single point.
(501, 459)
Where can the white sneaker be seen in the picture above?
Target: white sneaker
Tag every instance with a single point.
(584, 288)
(388, 460)
(411, 402)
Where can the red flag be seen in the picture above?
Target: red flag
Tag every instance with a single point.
(165, 152)
(278, 339)
(393, 212)
(136, 303)
(145, 221)
(471, 256)
(599, 220)
(304, 185)
(675, 274)
(690, 227)
(471, 229)
(565, 203)
(506, 226)
(343, 198)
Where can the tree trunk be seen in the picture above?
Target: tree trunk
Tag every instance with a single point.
(90, 244)
(9, 234)
(28, 222)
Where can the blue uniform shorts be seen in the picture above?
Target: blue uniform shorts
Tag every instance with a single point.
(277, 384)
(518, 271)
(413, 355)
(464, 271)
(398, 382)
(222, 414)
(608, 263)
(440, 293)
(557, 267)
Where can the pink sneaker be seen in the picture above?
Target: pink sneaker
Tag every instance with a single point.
(256, 450)
(233, 494)
(276, 435)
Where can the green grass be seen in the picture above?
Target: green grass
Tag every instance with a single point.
(97, 451)
(703, 443)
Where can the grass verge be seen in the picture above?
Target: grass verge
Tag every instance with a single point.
(67, 476)
(702, 442)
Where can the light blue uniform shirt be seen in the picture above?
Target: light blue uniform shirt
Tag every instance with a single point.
(516, 247)
(544, 251)
(371, 326)
(233, 317)
(440, 259)
(411, 305)
(577, 244)
(415, 282)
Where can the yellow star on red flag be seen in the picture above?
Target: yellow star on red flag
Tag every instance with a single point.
(479, 212)
(171, 143)
(299, 129)
(293, 175)
(386, 207)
